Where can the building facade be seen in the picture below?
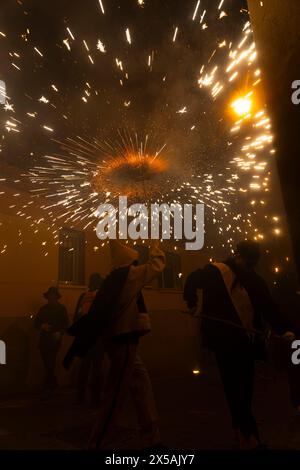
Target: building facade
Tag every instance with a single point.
(35, 255)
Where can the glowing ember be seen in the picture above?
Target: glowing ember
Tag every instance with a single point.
(126, 174)
(132, 168)
(242, 106)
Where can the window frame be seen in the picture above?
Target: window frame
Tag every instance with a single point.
(75, 265)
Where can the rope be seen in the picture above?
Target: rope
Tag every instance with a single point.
(227, 322)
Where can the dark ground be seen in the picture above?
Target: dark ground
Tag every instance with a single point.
(192, 410)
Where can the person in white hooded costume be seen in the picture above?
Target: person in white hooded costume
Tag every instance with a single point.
(127, 371)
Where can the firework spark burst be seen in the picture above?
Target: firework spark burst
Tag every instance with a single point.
(68, 183)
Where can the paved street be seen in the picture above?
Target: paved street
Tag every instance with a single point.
(192, 410)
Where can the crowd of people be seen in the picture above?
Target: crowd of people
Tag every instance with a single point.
(236, 310)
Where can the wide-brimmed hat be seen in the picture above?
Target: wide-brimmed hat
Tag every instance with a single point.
(52, 291)
(122, 255)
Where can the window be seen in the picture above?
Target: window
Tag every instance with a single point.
(170, 278)
(71, 256)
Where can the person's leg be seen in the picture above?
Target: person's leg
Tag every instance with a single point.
(83, 378)
(122, 356)
(237, 374)
(142, 393)
(245, 367)
(52, 355)
(228, 376)
(48, 355)
(44, 357)
(96, 375)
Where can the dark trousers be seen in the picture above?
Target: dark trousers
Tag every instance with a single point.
(236, 369)
(90, 376)
(127, 374)
(49, 350)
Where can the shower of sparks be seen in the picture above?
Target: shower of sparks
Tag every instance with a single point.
(128, 36)
(196, 10)
(202, 16)
(175, 34)
(71, 34)
(100, 46)
(67, 44)
(101, 6)
(38, 51)
(67, 185)
(242, 106)
(48, 128)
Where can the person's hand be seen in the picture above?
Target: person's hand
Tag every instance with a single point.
(289, 336)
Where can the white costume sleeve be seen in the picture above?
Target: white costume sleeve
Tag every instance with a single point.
(142, 275)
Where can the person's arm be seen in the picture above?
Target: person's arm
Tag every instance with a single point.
(193, 282)
(145, 273)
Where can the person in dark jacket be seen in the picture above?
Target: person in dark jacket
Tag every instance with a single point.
(236, 306)
(51, 321)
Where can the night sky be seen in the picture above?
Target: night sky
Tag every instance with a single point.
(61, 86)
(153, 102)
